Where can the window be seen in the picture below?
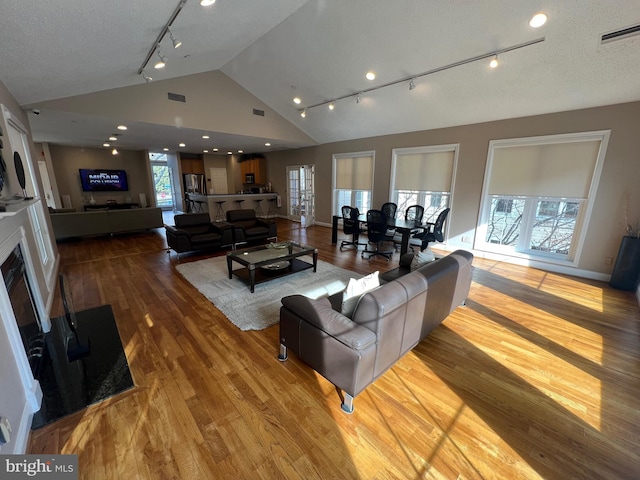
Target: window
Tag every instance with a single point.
(352, 180)
(537, 195)
(423, 176)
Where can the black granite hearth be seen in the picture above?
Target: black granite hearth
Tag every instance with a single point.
(81, 369)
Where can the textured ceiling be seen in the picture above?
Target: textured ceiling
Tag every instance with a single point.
(320, 50)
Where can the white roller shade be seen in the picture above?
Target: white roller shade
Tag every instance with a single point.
(354, 173)
(551, 170)
(424, 171)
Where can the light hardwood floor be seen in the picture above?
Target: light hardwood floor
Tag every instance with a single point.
(538, 377)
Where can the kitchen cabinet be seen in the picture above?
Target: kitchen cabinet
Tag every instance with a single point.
(257, 166)
(192, 165)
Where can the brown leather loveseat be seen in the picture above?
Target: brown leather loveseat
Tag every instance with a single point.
(387, 323)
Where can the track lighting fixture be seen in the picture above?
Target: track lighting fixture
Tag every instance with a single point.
(162, 62)
(332, 105)
(176, 42)
(146, 77)
(155, 47)
(114, 151)
(494, 63)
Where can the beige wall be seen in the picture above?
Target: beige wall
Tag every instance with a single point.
(621, 170)
(67, 160)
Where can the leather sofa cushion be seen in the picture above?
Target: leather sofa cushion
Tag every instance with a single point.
(205, 238)
(192, 219)
(197, 230)
(242, 215)
(321, 314)
(256, 231)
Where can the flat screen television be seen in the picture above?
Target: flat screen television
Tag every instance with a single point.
(103, 180)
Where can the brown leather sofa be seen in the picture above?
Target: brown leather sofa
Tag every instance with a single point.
(195, 231)
(248, 228)
(387, 323)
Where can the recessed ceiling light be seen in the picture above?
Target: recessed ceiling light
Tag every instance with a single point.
(267, 144)
(106, 144)
(205, 136)
(181, 145)
(229, 153)
(538, 20)
(240, 151)
(165, 149)
(205, 151)
(370, 76)
(113, 138)
(215, 149)
(206, 3)
(297, 101)
(122, 127)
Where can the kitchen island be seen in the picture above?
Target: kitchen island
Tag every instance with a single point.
(265, 204)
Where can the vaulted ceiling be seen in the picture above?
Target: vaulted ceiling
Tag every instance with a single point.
(77, 62)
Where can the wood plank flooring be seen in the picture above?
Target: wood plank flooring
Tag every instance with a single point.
(538, 377)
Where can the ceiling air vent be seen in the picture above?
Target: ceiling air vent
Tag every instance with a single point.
(176, 97)
(260, 113)
(620, 34)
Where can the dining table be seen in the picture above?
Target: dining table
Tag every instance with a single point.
(402, 226)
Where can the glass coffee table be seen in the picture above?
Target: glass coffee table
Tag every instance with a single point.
(274, 260)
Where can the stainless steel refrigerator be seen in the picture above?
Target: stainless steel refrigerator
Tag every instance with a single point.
(194, 183)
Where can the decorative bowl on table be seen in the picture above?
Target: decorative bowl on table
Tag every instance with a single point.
(278, 245)
(277, 265)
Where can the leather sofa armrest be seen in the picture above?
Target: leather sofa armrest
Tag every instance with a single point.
(220, 227)
(175, 230)
(270, 224)
(320, 314)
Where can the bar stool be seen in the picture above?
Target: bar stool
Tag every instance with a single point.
(239, 203)
(189, 204)
(197, 206)
(220, 215)
(271, 213)
(259, 212)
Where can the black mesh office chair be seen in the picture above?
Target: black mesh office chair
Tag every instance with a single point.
(351, 226)
(390, 209)
(433, 231)
(414, 213)
(377, 234)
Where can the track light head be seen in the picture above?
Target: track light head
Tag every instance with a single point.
(176, 42)
(412, 85)
(303, 113)
(494, 62)
(358, 99)
(332, 105)
(162, 62)
(146, 77)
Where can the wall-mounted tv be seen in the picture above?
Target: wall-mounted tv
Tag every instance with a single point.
(103, 180)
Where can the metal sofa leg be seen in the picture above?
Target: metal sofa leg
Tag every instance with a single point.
(282, 356)
(347, 403)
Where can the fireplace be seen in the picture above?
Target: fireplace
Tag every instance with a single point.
(26, 315)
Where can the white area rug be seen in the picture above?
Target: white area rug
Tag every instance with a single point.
(261, 309)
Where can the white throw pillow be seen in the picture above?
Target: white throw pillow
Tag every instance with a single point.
(355, 289)
(420, 258)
